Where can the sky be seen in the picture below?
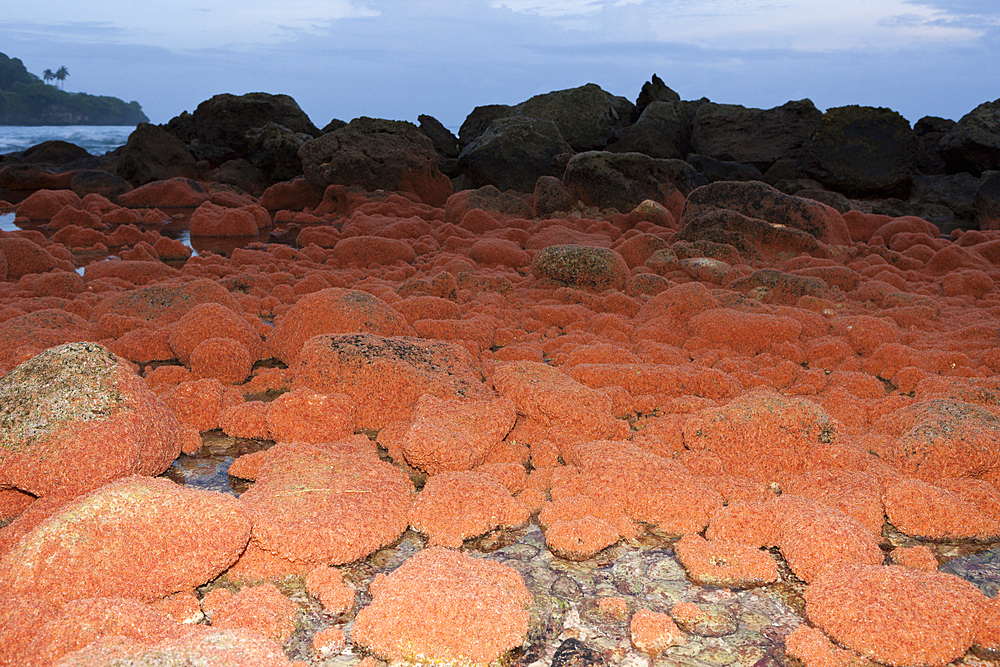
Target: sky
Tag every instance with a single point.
(398, 59)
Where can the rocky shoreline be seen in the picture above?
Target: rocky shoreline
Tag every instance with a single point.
(25, 99)
(594, 382)
(850, 158)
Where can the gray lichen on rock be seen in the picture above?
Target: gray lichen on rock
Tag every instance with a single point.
(581, 266)
(67, 383)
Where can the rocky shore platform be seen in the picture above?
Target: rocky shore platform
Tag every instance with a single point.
(544, 394)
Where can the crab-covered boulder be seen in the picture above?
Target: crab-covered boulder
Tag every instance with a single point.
(75, 417)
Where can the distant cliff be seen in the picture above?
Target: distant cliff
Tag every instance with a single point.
(27, 100)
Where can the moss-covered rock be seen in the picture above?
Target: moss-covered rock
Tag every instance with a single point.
(585, 267)
(75, 417)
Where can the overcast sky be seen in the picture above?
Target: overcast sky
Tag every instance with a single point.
(401, 58)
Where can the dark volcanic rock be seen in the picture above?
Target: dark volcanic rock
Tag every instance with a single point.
(723, 170)
(832, 199)
(182, 127)
(785, 169)
(33, 177)
(487, 198)
(574, 653)
(274, 149)
(376, 154)
(933, 125)
(861, 151)
(551, 196)
(929, 131)
(987, 201)
(480, 119)
(512, 153)
(242, 174)
(54, 152)
(974, 143)
(662, 131)
(653, 90)
(99, 182)
(625, 180)
(587, 117)
(334, 124)
(955, 192)
(224, 119)
(445, 143)
(154, 154)
(754, 136)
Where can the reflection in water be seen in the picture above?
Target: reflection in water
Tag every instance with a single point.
(7, 223)
(184, 236)
(222, 245)
(177, 228)
(209, 467)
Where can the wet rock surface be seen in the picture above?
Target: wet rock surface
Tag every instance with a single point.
(739, 418)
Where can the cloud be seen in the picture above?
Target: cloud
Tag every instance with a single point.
(186, 24)
(802, 24)
(68, 32)
(401, 58)
(977, 8)
(550, 8)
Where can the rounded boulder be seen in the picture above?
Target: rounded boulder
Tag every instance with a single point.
(910, 617)
(445, 606)
(586, 267)
(136, 537)
(333, 310)
(76, 416)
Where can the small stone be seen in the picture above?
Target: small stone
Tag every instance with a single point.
(580, 539)
(327, 584)
(613, 606)
(566, 588)
(574, 653)
(328, 642)
(704, 620)
(652, 632)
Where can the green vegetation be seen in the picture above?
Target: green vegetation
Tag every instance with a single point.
(26, 100)
(61, 75)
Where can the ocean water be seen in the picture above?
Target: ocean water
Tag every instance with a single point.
(96, 139)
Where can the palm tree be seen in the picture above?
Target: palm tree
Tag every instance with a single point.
(61, 74)
(48, 75)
